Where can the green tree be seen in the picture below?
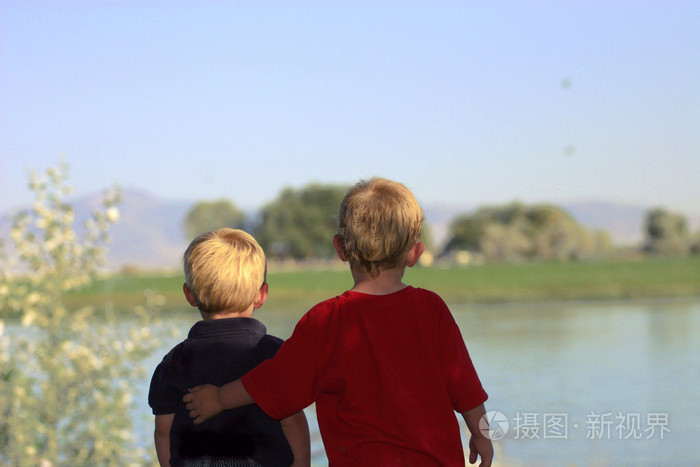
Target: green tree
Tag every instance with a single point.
(301, 223)
(66, 378)
(205, 216)
(466, 231)
(517, 232)
(667, 233)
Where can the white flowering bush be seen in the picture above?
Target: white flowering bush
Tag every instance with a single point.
(67, 377)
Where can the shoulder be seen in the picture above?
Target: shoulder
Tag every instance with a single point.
(272, 341)
(173, 355)
(323, 310)
(171, 367)
(432, 307)
(430, 295)
(426, 293)
(269, 345)
(428, 299)
(321, 316)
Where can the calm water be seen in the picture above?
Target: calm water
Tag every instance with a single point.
(591, 383)
(584, 384)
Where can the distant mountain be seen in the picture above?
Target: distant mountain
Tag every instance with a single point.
(149, 234)
(624, 223)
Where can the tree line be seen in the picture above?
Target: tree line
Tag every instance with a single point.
(300, 223)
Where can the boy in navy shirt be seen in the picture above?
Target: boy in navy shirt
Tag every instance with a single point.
(225, 279)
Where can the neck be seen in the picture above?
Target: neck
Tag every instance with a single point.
(225, 314)
(388, 281)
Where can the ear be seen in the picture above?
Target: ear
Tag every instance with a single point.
(261, 296)
(340, 247)
(189, 295)
(414, 254)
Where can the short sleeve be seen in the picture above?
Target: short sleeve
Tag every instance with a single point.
(162, 397)
(286, 383)
(461, 380)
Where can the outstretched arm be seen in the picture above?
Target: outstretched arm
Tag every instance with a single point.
(206, 401)
(162, 438)
(296, 429)
(479, 444)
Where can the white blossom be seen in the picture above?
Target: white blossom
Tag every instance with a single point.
(112, 214)
(75, 370)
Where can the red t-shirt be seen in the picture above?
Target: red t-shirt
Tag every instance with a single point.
(386, 372)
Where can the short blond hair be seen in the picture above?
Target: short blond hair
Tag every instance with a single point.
(224, 269)
(379, 222)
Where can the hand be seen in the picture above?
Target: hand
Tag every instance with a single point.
(480, 446)
(203, 403)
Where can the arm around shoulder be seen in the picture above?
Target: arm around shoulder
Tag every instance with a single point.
(296, 429)
(206, 401)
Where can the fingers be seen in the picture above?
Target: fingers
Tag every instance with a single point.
(196, 417)
(188, 396)
(189, 400)
(191, 408)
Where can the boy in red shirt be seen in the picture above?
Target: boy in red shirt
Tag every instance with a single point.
(384, 362)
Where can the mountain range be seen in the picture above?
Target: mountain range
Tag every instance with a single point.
(149, 234)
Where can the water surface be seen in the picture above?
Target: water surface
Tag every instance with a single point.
(619, 374)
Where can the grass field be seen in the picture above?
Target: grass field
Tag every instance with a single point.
(488, 283)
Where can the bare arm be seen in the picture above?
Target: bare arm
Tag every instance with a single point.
(206, 401)
(479, 443)
(296, 429)
(162, 438)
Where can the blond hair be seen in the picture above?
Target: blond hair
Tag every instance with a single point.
(224, 269)
(378, 223)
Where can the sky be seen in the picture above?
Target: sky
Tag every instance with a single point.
(467, 103)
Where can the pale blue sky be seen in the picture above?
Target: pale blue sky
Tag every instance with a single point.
(461, 101)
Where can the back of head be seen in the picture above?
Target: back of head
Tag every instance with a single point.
(224, 269)
(378, 223)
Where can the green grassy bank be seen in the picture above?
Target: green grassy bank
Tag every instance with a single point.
(294, 290)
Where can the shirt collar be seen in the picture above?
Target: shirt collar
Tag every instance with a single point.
(213, 327)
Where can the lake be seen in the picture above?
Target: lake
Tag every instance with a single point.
(575, 383)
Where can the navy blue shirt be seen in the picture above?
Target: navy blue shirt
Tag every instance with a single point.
(217, 352)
